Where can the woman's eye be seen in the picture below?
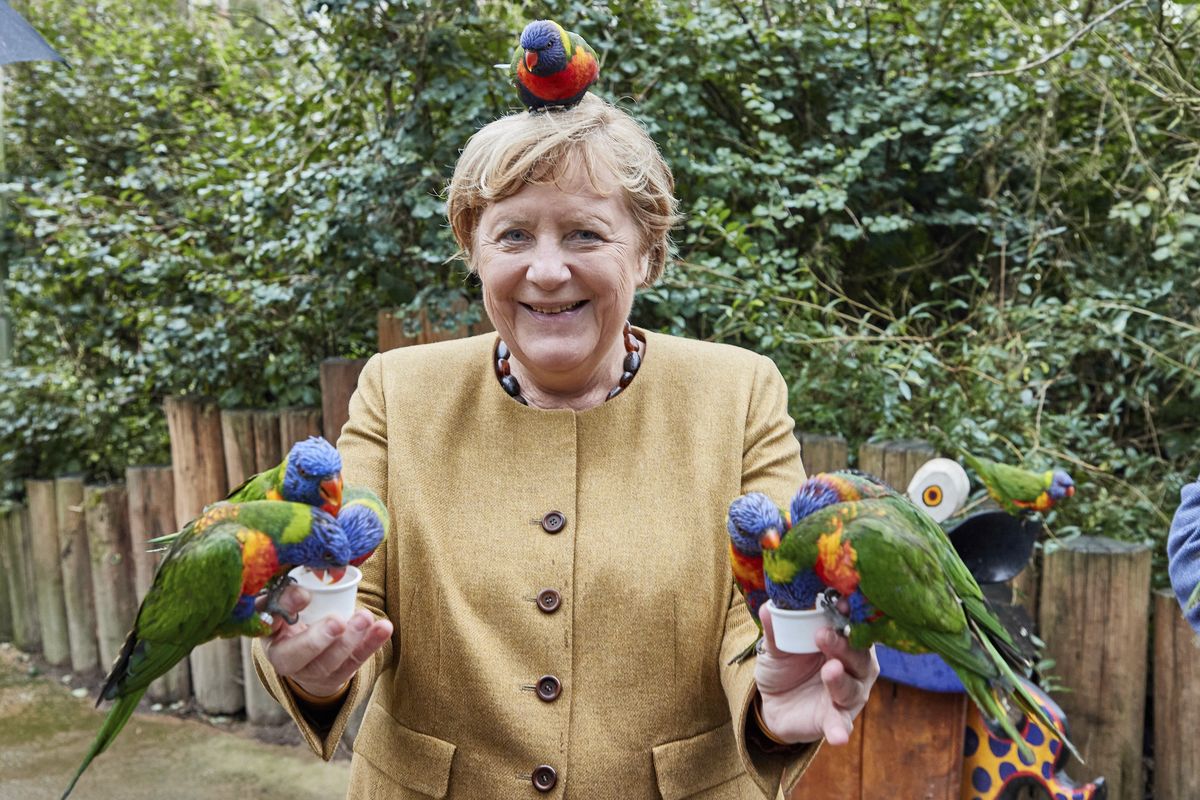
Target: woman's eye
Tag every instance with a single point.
(515, 235)
(587, 236)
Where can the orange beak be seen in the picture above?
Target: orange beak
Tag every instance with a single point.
(331, 493)
(1070, 491)
(531, 59)
(770, 539)
(335, 574)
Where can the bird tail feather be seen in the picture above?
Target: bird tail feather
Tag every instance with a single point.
(118, 715)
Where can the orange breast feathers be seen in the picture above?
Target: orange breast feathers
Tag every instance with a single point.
(747, 570)
(580, 71)
(259, 560)
(835, 561)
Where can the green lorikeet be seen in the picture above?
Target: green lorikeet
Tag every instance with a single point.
(1019, 490)
(905, 586)
(206, 587)
(552, 66)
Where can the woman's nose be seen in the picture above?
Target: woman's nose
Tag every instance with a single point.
(548, 267)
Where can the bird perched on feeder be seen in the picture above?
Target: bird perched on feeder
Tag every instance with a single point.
(364, 521)
(311, 473)
(552, 67)
(1018, 490)
(753, 518)
(206, 587)
(905, 586)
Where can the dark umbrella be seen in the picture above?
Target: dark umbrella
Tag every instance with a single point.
(19, 41)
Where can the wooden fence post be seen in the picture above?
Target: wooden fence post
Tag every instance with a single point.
(339, 378)
(47, 572)
(822, 453)
(1176, 702)
(19, 564)
(106, 515)
(906, 742)
(151, 493)
(198, 467)
(390, 328)
(241, 461)
(6, 592)
(1095, 602)
(296, 424)
(76, 562)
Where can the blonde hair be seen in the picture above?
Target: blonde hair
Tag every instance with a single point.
(540, 147)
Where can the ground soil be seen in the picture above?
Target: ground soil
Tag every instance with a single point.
(168, 754)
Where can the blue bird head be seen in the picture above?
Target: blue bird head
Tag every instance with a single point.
(1060, 486)
(813, 495)
(313, 475)
(325, 547)
(542, 41)
(364, 529)
(753, 518)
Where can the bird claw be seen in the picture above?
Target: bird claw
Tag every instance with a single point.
(275, 590)
(829, 601)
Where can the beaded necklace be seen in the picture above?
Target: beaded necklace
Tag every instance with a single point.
(633, 360)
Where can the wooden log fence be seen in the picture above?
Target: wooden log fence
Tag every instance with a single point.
(76, 562)
(16, 550)
(6, 597)
(1176, 702)
(47, 571)
(339, 377)
(106, 517)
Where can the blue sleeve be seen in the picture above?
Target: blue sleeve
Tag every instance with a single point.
(1183, 549)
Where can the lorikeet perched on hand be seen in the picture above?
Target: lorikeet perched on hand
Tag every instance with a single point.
(753, 519)
(906, 588)
(310, 473)
(205, 588)
(552, 67)
(1019, 490)
(364, 520)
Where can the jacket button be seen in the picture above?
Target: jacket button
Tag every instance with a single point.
(553, 522)
(548, 688)
(548, 600)
(544, 778)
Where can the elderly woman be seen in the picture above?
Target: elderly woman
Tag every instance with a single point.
(555, 610)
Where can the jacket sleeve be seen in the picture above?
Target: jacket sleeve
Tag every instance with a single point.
(1183, 550)
(363, 446)
(771, 465)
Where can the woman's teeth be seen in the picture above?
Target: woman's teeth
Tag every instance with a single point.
(556, 309)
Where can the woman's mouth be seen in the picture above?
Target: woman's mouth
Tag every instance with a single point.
(551, 310)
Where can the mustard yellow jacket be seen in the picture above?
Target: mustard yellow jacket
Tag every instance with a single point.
(559, 581)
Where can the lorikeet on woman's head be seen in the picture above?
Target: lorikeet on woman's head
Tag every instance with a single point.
(552, 66)
(206, 588)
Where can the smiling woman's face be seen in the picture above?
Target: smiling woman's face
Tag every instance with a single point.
(559, 264)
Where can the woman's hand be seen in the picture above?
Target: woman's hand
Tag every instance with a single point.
(812, 695)
(324, 657)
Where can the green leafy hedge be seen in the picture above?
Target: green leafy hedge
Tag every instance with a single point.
(927, 248)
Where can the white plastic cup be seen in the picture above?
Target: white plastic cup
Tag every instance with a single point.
(796, 631)
(335, 599)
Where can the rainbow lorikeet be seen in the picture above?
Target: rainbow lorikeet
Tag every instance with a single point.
(1020, 490)
(753, 519)
(906, 588)
(311, 473)
(205, 588)
(552, 67)
(364, 520)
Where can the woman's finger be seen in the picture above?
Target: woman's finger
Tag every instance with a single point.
(346, 653)
(293, 653)
(861, 664)
(293, 600)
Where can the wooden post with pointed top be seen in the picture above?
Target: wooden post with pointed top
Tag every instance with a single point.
(243, 460)
(106, 516)
(47, 572)
(76, 563)
(822, 453)
(198, 466)
(152, 513)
